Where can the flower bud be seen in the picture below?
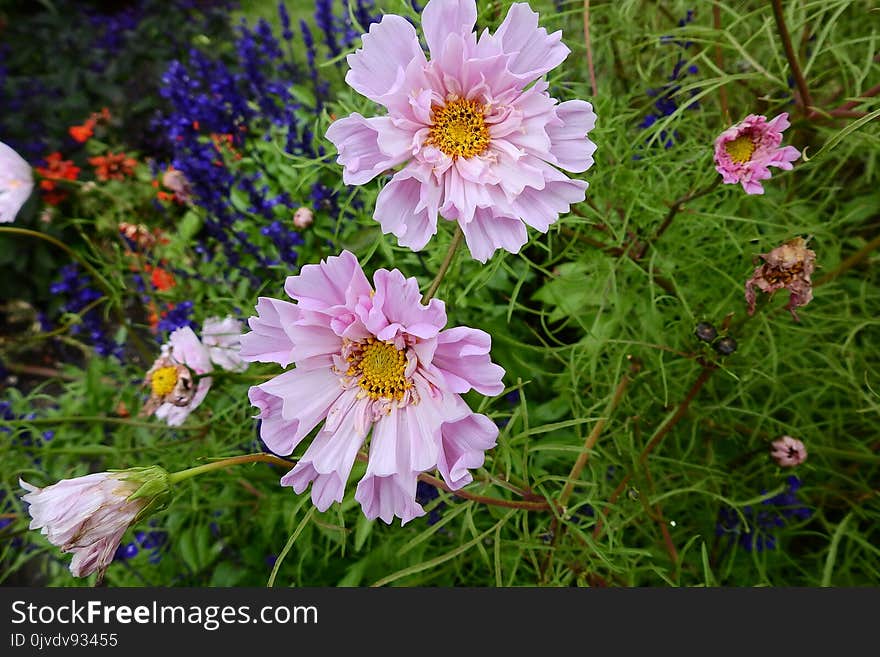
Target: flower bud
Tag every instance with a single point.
(88, 515)
(303, 218)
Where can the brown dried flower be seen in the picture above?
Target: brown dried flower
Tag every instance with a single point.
(788, 267)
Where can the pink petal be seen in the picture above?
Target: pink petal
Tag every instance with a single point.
(274, 429)
(389, 497)
(420, 427)
(485, 233)
(336, 282)
(397, 308)
(222, 338)
(187, 349)
(536, 51)
(306, 398)
(329, 459)
(311, 341)
(407, 208)
(462, 354)
(442, 18)
(269, 341)
(379, 67)
(541, 208)
(464, 443)
(570, 147)
(16, 183)
(367, 147)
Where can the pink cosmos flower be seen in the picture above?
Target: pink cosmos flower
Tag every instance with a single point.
(744, 152)
(787, 267)
(174, 393)
(480, 139)
(222, 337)
(88, 515)
(788, 452)
(370, 359)
(16, 183)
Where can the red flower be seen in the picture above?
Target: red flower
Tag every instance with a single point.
(82, 133)
(56, 169)
(113, 166)
(161, 279)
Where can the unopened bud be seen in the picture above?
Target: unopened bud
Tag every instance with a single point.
(303, 218)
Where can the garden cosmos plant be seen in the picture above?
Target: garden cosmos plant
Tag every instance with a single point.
(480, 139)
(370, 359)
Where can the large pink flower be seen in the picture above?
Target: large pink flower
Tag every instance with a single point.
(370, 360)
(481, 140)
(744, 152)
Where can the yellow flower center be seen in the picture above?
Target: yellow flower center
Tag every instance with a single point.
(740, 149)
(459, 129)
(163, 381)
(381, 367)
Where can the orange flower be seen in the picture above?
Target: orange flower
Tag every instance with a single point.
(113, 166)
(56, 169)
(82, 133)
(161, 279)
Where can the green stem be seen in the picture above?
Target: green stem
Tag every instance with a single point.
(444, 267)
(176, 477)
(102, 419)
(100, 280)
(676, 207)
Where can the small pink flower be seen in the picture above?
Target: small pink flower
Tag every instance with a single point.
(744, 152)
(16, 183)
(788, 267)
(480, 140)
(174, 391)
(370, 360)
(88, 515)
(788, 452)
(222, 337)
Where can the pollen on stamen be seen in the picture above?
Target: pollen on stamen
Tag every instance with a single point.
(163, 380)
(381, 370)
(459, 128)
(740, 149)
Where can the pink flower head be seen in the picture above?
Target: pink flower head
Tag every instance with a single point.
(744, 152)
(16, 183)
(480, 139)
(370, 360)
(788, 267)
(788, 452)
(88, 515)
(174, 392)
(222, 337)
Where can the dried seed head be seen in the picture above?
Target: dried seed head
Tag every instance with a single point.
(725, 346)
(705, 332)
